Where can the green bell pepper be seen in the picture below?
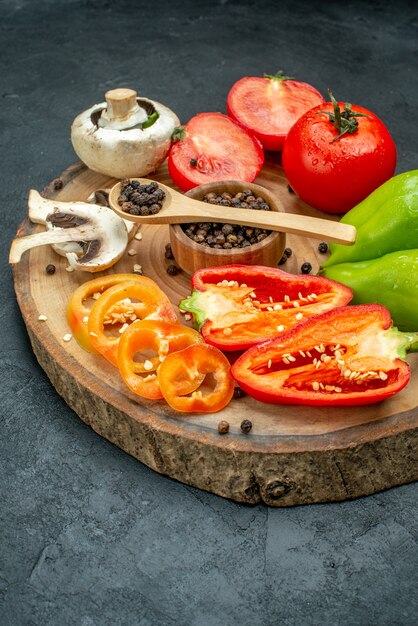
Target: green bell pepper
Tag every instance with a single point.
(391, 280)
(386, 221)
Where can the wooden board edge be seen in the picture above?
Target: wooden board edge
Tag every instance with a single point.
(250, 478)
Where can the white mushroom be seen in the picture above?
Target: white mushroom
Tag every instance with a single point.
(125, 136)
(39, 211)
(101, 233)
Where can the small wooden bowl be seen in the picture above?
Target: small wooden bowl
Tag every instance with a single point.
(192, 256)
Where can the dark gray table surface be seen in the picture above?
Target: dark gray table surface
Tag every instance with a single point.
(88, 535)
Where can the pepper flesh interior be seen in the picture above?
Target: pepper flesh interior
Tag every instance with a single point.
(229, 305)
(326, 368)
(360, 363)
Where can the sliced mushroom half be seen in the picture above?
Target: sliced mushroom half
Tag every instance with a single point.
(101, 233)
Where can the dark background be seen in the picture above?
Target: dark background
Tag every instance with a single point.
(88, 535)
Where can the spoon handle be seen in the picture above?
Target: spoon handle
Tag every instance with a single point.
(304, 225)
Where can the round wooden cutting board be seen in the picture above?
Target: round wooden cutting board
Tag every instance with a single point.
(293, 454)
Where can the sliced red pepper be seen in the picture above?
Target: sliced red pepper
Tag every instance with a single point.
(349, 356)
(142, 349)
(144, 297)
(237, 306)
(78, 311)
(183, 376)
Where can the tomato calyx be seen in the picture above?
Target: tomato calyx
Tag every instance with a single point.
(279, 76)
(344, 121)
(178, 134)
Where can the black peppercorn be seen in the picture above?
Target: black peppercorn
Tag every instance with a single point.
(246, 426)
(193, 162)
(323, 247)
(173, 270)
(238, 392)
(223, 427)
(228, 236)
(282, 260)
(168, 252)
(288, 252)
(306, 268)
(138, 199)
(50, 269)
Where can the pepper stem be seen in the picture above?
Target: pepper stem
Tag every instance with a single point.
(344, 121)
(412, 339)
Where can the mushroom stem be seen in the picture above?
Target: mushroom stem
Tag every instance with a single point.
(56, 235)
(123, 110)
(121, 103)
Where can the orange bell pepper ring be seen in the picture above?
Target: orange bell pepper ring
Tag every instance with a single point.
(180, 373)
(138, 298)
(78, 311)
(145, 346)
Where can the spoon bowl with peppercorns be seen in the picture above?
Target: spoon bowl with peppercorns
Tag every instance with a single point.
(226, 204)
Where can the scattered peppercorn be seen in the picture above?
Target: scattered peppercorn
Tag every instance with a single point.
(238, 392)
(101, 197)
(173, 270)
(140, 199)
(246, 426)
(193, 162)
(223, 427)
(286, 254)
(306, 268)
(227, 236)
(168, 252)
(50, 269)
(323, 247)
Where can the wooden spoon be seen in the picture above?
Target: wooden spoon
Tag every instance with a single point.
(179, 209)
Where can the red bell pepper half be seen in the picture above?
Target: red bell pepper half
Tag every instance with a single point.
(238, 306)
(349, 356)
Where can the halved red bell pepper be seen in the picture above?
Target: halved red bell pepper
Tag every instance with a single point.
(183, 379)
(349, 356)
(238, 306)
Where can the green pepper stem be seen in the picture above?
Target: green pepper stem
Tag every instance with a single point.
(151, 120)
(412, 339)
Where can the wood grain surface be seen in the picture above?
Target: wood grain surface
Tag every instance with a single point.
(293, 455)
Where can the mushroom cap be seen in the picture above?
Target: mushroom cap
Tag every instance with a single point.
(123, 153)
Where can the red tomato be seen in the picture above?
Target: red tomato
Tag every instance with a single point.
(332, 174)
(214, 147)
(270, 106)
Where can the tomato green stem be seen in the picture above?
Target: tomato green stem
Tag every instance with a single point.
(178, 134)
(280, 76)
(344, 121)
